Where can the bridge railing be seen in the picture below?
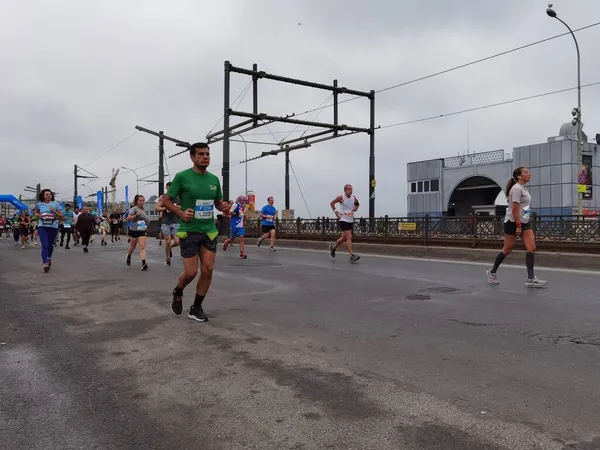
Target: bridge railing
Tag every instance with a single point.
(553, 232)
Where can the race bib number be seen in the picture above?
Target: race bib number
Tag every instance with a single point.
(67, 225)
(141, 225)
(526, 214)
(47, 218)
(204, 209)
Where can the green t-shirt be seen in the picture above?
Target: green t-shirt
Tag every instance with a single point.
(199, 193)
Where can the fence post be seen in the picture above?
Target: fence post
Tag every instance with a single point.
(474, 231)
(386, 224)
(323, 229)
(426, 230)
(298, 226)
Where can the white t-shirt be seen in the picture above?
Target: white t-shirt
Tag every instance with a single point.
(518, 194)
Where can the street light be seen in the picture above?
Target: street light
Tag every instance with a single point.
(137, 179)
(576, 113)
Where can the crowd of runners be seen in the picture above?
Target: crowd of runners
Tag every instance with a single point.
(188, 221)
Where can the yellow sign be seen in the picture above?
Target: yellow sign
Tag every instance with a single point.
(582, 188)
(373, 183)
(407, 226)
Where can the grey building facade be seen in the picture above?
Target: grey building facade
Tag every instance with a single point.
(473, 183)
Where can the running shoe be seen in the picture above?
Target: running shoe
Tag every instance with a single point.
(243, 256)
(46, 268)
(144, 266)
(197, 313)
(177, 304)
(258, 242)
(332, 251)
(535, 282)
(85, 250)
(272, 249)
(128, 260)
(492, 278)
(168, 262)
(354, 258)
(67, 248)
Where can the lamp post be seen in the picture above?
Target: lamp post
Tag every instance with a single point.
(576, 112)
(137, 179)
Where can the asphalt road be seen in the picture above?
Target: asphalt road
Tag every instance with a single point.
(301, 352)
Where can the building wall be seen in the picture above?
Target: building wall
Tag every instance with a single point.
(554, 174)
(421, 203)
(499, 172)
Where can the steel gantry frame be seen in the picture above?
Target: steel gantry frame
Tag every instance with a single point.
(255, 120)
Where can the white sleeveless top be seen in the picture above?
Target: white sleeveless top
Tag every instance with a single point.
(347, 207)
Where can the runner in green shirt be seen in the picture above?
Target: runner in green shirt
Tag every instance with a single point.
(199, 192)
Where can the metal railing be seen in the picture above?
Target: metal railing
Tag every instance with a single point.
(556, 233)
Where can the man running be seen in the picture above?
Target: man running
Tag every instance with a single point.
(85, 226)
(199, 192)
(237, 212)
(268, 215)
(114, 225)
(348, 206)
(67, 226)
(170, 223)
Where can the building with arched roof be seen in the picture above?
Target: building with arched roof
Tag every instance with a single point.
(473, 183)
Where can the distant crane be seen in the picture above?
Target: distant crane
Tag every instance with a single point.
(113, 192)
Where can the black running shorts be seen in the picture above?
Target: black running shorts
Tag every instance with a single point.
(136, 234)
(190, 246)
(267, 228)
(345, 226)
(510, 227)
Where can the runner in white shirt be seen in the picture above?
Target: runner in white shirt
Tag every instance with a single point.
(76, 214)
(345, 214)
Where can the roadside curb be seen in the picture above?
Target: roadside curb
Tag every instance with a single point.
(542, 259)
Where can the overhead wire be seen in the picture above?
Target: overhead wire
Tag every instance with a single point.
(244, 92)
(300, 189)
(462, 66)
(493, 105)
(111, 149)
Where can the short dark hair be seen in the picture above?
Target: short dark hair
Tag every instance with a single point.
(68, 205)
(197, 145)
(43, 192)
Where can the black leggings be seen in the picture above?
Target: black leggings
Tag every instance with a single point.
(66, 231)
(16, 234)
(114, 230)
(85, 237)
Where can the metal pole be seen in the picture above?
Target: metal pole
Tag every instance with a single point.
(553, 14)
(246, 162)
(75, 184)
(287, 179)
(372, 158)
(226, 131)
(161, 163)
(255, 92)
(335, 107)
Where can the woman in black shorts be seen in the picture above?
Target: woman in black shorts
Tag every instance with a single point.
(517, 223)
(138, 230)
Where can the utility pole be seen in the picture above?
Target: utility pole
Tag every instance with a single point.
(161, 163)
(161, 153)
(76, 175)
(287, 179)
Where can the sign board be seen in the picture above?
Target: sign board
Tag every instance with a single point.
(288, 214)
(585, 179)
(251, 201)
(407, 226)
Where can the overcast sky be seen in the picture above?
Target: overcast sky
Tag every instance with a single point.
(77, 76)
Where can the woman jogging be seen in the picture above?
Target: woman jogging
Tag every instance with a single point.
(137, 230)
(517, 223)
(49, 213)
